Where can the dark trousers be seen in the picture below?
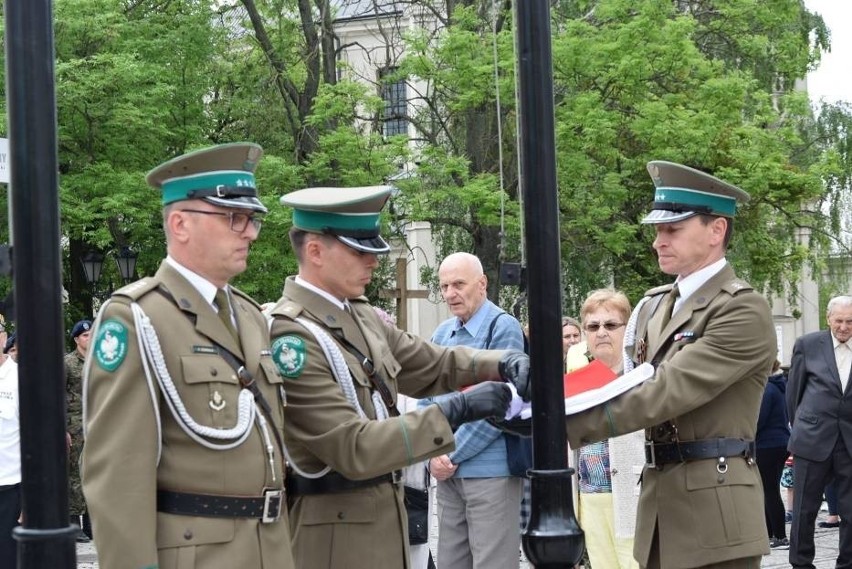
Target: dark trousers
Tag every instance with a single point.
(809, 481)
(10, 510)
(770, 463)
(831, 498)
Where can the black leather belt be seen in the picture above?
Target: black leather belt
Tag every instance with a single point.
(334, 482)
(267, 508)
(666, 453)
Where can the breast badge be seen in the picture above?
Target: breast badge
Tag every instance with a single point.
(111, 345)
(289, 355)
(217, 402)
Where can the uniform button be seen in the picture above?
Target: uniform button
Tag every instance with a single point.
(340, 515)
(438, 440)
(187, 535)
(214, 372)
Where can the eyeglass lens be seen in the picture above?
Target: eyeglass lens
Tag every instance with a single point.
(609, 326)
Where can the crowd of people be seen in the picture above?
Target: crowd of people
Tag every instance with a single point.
(206, 430)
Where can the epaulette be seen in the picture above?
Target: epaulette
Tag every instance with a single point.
(362, 299)
(736, 286)
(287, 308)
(662, 289)
(246, 297)
(138, 289)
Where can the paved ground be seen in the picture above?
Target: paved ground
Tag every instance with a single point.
(826, 549)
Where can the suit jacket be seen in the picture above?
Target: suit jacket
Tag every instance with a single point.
(134, 445)
(364, 528)
(818, 410)
(714, 356)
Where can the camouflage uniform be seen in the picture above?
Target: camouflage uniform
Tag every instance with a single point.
(74, 412)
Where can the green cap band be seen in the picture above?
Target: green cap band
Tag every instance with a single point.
(719, 205)
(178, 189)
(319, 221)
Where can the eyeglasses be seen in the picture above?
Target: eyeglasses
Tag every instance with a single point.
(609, 326)
(239, 221)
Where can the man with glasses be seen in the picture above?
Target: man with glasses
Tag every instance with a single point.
(711, 340)
(183, 409)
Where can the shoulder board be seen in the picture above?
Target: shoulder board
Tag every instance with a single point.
(360, 299)
(246, 297)
(662, 289)
(288, 309)
(736, 286)
(138, 289)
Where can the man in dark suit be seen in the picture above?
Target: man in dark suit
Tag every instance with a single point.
(820, 408)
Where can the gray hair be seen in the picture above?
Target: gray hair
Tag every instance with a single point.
(836, 302)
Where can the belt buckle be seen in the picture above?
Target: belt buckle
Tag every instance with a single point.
(650, 457)
(271, 506)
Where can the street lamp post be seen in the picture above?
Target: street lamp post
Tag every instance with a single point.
(93, 264)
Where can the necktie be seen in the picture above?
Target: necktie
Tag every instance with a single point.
(224, 311)
(668, 305)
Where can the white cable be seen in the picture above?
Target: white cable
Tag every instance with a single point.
(246, 410)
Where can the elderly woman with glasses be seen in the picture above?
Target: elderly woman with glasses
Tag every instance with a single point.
(609, 470)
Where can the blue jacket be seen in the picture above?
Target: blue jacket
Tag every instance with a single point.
(773, 426)
(480, 447)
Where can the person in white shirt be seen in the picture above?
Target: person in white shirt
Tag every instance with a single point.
(10, 454)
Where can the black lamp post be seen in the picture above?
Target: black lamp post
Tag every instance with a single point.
(93, 264)
(126, 261)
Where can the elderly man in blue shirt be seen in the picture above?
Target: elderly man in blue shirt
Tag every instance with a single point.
(478, 499)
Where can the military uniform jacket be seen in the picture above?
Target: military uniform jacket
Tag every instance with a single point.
(366, 527)
(134, 445)
(714, 358)
(74, 414)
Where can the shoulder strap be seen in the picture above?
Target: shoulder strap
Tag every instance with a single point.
(491, 326)
(373, 374)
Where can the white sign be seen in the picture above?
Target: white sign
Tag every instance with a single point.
(4, 161)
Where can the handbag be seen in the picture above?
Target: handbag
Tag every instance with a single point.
(518, 454)
(417, 506)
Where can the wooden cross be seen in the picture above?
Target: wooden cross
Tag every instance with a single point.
(401, 293)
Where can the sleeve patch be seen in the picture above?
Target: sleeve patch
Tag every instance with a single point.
(111, 345)
(290, 355)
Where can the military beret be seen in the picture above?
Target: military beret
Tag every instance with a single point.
(682, 192)
(222, 175)
(80, 327)
(10, 342)
(350, 214)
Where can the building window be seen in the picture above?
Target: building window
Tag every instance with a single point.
(394, 112)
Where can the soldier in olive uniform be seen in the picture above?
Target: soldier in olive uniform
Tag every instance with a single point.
(182, 465)
(74, 359)
(345, 438)
(701, 503)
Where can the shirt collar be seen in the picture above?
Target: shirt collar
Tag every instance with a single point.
(688, 285)
(835, 342)
(313, 288)
(476, 321)
(205, 288)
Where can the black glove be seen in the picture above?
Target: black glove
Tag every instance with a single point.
(488, 399)
(515, 368)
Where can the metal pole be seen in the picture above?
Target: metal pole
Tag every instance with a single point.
(552, 539)
(46, 538)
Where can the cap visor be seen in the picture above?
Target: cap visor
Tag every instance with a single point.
(375, 245)
(244, 202)
(666, 216)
